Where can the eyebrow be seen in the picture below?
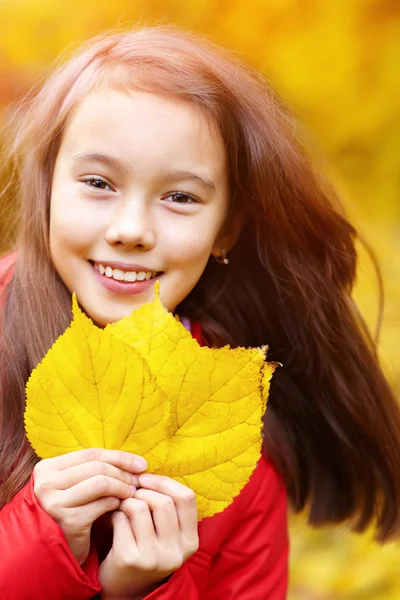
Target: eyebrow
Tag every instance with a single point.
(118, 165)
(189, 176)
(104, 159)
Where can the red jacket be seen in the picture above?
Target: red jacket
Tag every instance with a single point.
(243, 551)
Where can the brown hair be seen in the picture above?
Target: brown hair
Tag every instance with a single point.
(333, 426)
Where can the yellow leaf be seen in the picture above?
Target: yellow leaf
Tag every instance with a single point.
(144, 385)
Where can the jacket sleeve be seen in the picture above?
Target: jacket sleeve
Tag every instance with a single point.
(6, 272)
(7, 268)
(36, 561)
(253, 561)
(180, 586)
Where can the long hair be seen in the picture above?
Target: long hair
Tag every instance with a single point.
(332, 427)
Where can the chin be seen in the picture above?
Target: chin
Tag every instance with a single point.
(99, 319)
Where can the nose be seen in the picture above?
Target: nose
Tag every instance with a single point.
(131, 224)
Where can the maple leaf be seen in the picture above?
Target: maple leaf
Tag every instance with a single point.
(144, 385)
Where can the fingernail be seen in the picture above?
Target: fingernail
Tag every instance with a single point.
(133, 490)
(140, 463)
(135, 480)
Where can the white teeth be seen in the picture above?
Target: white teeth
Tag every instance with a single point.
(131, 276)
(128, 276)
(118, 275)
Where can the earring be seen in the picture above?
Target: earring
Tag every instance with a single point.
(223, 259)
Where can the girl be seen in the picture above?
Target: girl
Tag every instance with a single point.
(153, 155)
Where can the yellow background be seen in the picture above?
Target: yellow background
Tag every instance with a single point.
(337, 62)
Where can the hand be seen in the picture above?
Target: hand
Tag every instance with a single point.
(77, 488)
(154, 533)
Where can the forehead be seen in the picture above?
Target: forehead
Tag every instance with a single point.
(144, 126)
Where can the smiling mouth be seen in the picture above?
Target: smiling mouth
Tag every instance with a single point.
(124, 276)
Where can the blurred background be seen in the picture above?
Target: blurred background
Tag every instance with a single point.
(337, 63)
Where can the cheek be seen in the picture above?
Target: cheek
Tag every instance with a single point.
(192, 243)
(187, 258)
(190, 250)
(70, 228)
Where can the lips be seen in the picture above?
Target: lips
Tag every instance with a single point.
(115, 281)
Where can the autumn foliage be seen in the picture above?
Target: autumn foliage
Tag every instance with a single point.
(145, 385)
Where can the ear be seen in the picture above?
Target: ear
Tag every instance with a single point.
(228, 235)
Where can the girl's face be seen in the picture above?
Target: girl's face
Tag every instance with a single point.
(140, 191)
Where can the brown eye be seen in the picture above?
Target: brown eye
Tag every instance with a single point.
(181, 198)
(97, 183)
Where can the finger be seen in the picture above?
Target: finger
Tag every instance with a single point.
(184, 499)
(163, 512)
(74, 475)
(94, 510)
(141, 521)
(95, 487)
(123, 536)
(124, 460)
